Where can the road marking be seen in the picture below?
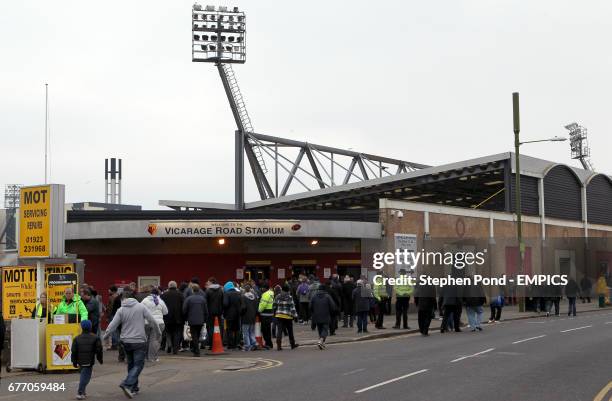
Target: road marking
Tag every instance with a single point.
(391, 381)
(529, 339)
(536, 322)
(353, 371)
(600, 396)
(577, 328)
(608, 323)
(471, 356)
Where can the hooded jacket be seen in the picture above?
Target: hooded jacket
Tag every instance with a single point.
(283, 307)
(132, 316)
(231, 302)
(322, 307)
(74, 307)
(174, 303)
(158, 310)
(302, 292)
(248, 307)
(214, 300)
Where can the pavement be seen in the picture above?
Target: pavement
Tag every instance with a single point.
(539, 359)
(304, 334)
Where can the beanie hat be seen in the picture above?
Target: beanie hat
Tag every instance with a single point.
(86, 325)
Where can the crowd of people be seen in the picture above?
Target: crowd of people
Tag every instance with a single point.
(181, 317)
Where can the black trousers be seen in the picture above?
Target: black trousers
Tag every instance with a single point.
(495, 313)
(380, 314)
(424, 316)
(333, 324)
(266, 330)
(232, 333)
(196, 332)
(174, 332)
(284, 325)
(304, 311)
(456, 311)
(401, 311)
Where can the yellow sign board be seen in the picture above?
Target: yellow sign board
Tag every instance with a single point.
(35, 222)
(59, 343)
(19, 289)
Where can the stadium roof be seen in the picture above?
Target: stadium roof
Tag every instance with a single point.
(468, 183)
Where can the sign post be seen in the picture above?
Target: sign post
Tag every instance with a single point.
(41, 226)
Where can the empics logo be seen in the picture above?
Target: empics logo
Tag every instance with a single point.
(152, 229)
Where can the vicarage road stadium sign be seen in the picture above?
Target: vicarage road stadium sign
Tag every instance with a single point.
(251, 228)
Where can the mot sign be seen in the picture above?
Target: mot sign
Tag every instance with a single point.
(41, 221)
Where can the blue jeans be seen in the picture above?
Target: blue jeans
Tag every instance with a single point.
(135, 355)
(474, 314)
(362, 321)
(248, 336)
(85, 378)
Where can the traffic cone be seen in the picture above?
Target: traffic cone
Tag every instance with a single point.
(217, 344)
(258, 336)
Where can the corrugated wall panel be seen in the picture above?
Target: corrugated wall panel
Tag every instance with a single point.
(562, 197)
(599, 200)
(529, 195)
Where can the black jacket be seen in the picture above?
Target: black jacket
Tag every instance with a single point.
(214, 299)
(322, 307)
(425, 297)
(93, 313)
(195, 309)
(347, 297)
(85, 349)
(2, 330)
(362, 298)
(174, 302)
(474, 296)
(571, 289)
(231, 305)
(336, 293)
(336, 297)
(451, 295)
(248, 308)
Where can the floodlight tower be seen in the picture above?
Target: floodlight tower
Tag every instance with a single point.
(219, 37)
(579, 145)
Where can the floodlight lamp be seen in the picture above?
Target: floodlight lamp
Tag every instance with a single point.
(210, 8)
(235, 9)
(572, 126)
(223, 9)
(197, 7)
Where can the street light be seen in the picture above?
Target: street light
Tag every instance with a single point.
(517, 145)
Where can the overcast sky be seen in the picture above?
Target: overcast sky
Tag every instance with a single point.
(429, 82)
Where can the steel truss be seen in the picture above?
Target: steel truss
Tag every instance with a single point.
(325, 167)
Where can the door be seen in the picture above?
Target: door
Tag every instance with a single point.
(351, 271)
(257, 273)
(296, 270)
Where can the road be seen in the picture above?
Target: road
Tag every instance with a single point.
(533, 359)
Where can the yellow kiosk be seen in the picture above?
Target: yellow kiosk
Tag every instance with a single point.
(64, 327)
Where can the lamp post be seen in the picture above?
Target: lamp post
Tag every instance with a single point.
(517, 175)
